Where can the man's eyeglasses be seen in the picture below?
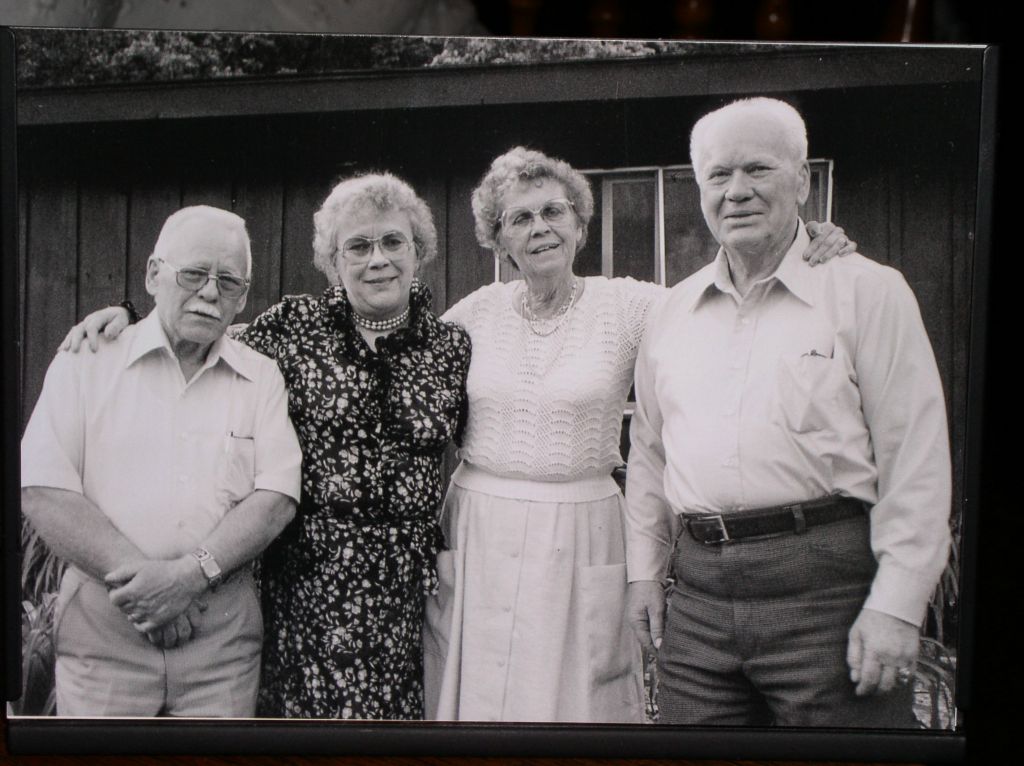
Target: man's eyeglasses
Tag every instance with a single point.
(228, 285)
(359, 249)
(517, 220)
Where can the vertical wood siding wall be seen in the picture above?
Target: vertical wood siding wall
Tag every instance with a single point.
(92, 198)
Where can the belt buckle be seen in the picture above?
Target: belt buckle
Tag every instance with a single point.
(721, 528)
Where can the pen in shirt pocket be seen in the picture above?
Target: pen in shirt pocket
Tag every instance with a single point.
(232, 436)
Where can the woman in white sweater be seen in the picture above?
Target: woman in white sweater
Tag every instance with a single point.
(528, 624)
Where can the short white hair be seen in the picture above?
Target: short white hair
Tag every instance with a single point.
(788, 119)
(179, 218)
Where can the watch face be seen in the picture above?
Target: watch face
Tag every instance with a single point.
(210, 568)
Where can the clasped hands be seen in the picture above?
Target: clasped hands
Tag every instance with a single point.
(160, 598)
(881, 649)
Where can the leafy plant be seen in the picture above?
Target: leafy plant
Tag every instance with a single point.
(41, 572)
(934, 681)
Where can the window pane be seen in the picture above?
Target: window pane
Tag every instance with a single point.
(633, 232)
(688, 243)
(588, 260)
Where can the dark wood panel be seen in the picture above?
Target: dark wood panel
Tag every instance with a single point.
(200, 187)
(434, 191)
(153, 198)
(50, 276)
(23, 204)
(260, 202)
(303, 196)
(103, 244)
(469, 265)
(962, 232)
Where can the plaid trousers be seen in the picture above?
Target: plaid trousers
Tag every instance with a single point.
(756, 632)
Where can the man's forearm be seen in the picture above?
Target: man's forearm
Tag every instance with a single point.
(249, 527)
(75, 529)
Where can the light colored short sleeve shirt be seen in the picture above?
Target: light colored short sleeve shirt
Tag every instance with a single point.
(818, 381)
(164, 459)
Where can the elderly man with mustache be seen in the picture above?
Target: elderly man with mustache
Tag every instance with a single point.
(158, 468)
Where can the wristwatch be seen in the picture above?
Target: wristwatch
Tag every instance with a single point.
(211, 569)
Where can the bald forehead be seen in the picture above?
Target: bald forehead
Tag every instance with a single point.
(750, 129)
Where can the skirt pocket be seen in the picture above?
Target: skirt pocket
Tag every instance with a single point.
(615, 670)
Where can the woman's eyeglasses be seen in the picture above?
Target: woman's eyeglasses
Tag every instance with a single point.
(358, 249)
(228, 285)
(521, 219)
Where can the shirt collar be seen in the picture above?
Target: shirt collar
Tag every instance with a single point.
(795, 275)
(150, 336)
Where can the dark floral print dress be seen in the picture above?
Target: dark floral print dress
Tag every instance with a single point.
(343, 587)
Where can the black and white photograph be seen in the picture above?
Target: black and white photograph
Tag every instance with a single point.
(426, 382)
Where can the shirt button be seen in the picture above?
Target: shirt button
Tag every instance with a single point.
(514, 554)
(506, 609)
(183, 478)
(501, 663)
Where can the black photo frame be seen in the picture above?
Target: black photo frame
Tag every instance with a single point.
(102, 155)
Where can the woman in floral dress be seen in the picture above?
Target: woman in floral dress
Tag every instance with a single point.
(376, 387)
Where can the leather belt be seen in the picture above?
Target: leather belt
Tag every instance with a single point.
(716, 528)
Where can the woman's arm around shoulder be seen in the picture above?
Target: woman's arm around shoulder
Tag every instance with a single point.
(272, 328)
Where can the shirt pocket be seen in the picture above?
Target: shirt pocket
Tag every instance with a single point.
(807, 391)
(236, 471)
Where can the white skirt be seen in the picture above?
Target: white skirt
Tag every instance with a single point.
(529, 622)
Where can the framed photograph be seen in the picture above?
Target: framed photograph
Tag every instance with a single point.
(107, 133)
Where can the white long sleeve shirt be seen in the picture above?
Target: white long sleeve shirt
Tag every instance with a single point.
(818, 381)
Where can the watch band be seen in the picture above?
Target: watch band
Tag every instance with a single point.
(208, 564)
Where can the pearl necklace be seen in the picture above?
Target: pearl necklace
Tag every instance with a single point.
(381, 325)
(558, 318)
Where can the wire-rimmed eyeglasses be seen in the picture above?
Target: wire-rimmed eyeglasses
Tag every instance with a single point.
(521, 219)
(358, 249)
(228, 285)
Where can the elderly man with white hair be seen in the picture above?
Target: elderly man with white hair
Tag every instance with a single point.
(158, 468)
(790, 461)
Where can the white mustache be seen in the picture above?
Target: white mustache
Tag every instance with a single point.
(205, 311)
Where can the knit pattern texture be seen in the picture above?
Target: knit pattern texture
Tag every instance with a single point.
(549, 408)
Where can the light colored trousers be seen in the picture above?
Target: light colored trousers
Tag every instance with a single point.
(105, 667)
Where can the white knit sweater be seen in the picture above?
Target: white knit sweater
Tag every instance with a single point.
(549, 408)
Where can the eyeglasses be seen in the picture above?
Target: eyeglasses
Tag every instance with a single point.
(228, 285)
(358, 249)
(521, 219)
